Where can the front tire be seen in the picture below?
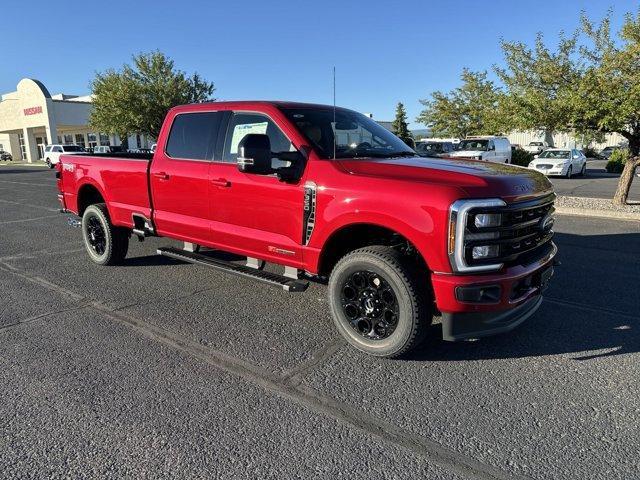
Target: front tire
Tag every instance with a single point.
(583, 171)
(48, 162)
(105, 243)
(379, 302)
(569, 172)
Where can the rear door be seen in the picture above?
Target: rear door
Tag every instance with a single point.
(179, 176)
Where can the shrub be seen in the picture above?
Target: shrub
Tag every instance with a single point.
(617, 160)
(521, 157)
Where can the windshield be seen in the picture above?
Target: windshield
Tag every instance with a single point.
(555, 154)
(434, 147)
(473, 145)
(72, 148)
(355, 134)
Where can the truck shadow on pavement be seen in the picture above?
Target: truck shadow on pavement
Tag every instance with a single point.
(591, 310)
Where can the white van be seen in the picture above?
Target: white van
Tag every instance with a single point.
(52, 152)
(489, 149)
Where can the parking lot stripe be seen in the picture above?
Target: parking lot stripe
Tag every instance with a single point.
(30, 205)
(28, 219)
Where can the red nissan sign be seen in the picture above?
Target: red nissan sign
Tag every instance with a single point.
(32, 110)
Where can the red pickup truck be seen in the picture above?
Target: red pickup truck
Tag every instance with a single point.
(333, 197)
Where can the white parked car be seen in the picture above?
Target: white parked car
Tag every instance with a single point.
(560, 161)
(52, 152)
(489, 149)
(536, 147)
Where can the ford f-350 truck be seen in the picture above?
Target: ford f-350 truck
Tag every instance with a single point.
(333, 197)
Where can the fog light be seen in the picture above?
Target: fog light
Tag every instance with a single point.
(486, 220)
(479, 294)
(485, 251)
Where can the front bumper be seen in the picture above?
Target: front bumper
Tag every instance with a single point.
(463, 326)
(520, 296)
(560, 170)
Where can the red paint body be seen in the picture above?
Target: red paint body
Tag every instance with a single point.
(216, 205)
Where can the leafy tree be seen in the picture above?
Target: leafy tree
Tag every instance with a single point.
(467, 110)
(607, 99)
(539, 85)
(399, 126)
(137, 98)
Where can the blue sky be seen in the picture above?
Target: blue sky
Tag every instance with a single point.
(384, 51)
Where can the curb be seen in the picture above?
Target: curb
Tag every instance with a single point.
(582, 212)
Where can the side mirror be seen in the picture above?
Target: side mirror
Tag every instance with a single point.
(254, 154)
(536, 156)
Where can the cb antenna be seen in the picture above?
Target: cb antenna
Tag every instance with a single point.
(334, 112)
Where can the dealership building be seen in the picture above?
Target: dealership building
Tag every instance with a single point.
(31, 118)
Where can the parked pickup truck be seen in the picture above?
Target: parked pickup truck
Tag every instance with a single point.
(332, 197)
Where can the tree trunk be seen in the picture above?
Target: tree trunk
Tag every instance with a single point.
(624, 184)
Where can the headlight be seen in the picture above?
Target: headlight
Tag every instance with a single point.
(459, 217)
(485, 251)
(486, 220)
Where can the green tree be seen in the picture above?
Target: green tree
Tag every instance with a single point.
(539, 85)
(467, 110)
(400, 127)
(607, 99)
(136, 98)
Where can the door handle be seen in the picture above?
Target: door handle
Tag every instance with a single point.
(161, 175)
(221, 182)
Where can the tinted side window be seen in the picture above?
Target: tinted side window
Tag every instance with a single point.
(57, 149)
(242, 124)
(193, 135)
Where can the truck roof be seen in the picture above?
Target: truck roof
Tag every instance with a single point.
(249, 103)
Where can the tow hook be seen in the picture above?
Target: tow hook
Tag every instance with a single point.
(72, 222)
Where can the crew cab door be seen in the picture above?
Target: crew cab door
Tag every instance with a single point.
(255, 214)
(179, 176)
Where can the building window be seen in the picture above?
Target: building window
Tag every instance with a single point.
(68, 139)
(104, 140)
(59, 139)
(80, 140)
(93, 140)
(138, 141)
(23, 147)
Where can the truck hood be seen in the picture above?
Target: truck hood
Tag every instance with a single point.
(477, 179)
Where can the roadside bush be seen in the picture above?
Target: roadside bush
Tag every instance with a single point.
(590, 152)
(617, 160)
(521, 157)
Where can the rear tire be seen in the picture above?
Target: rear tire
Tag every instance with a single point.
(569, 172)
(105, 243)
(379, 302)
(583, 172)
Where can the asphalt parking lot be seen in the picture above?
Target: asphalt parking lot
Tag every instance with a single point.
(162, 369)
(596, 184)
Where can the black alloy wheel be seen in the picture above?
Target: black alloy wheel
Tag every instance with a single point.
(96, 235)
(370, 304)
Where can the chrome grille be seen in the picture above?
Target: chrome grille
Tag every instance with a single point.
(524, 234)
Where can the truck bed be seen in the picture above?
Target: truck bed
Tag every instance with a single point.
(121, 179)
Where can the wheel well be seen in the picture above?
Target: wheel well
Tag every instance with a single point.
(88, 195)
(357, 236)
